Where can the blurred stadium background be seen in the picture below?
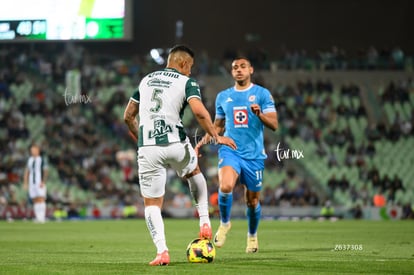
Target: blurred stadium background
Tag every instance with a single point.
(341, 73)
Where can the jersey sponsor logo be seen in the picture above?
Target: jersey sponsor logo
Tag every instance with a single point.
(159, 83)
(252, 98)
(240, 117)
(160, 129)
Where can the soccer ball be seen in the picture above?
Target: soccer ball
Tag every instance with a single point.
(201, 251)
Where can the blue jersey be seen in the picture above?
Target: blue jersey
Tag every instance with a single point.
(241, 124)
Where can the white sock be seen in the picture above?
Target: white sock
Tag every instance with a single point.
(42, 211)
(155, 226)
(198, 188)
(252, 235)
(37, 210)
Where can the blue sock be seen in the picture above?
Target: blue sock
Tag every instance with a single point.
(225, 201)
(253, 218)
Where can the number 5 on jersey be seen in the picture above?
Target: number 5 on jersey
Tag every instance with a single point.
(157, 99)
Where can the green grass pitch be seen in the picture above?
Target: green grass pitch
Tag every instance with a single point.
(285, 247)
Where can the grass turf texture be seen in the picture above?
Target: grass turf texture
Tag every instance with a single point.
(124, 247)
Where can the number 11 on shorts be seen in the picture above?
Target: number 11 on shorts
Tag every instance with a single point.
(259, 174)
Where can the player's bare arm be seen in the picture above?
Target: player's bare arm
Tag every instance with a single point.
(26, 179)
(219, 126)
(204, 119)
(45, 174)
(130, 114)
(268, 119)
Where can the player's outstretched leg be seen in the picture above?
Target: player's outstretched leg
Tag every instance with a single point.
(225, 202)
(198, 188)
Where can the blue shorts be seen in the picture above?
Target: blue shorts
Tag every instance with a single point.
(250, 170)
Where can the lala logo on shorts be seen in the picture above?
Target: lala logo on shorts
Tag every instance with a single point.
(240, 117)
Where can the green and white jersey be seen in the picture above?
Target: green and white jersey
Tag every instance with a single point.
(162, 97)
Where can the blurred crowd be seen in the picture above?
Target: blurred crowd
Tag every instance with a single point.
(337, 58)
(330, 136)
(86, 141)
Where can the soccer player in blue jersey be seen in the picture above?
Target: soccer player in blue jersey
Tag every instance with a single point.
(242, 112)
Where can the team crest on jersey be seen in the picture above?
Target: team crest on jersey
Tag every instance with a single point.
(252, 98)
(240, 117)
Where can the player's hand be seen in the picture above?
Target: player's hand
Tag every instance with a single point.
(255, 109)
(226, 141)
(25, 186)
(42, 184)
(197, 149)
(205, 140)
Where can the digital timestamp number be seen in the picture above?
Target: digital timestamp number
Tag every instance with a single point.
(26, 28)
(348, 247)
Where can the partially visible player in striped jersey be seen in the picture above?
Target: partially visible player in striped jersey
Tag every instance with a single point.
(162, 142)
(35, 177)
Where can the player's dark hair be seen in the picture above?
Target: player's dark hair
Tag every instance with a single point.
(182, 48)
(242, 57)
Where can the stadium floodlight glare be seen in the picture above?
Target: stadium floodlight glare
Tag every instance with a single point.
(156, 56)
(92, 29)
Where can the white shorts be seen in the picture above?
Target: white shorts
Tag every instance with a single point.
(35, 191)
(153, 162)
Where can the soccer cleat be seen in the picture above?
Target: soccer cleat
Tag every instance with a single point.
(220, 236)
(252, 245)
(205, 232)
(161, 259)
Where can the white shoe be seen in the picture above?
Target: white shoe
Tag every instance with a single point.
(252, 245)
(220, 236)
